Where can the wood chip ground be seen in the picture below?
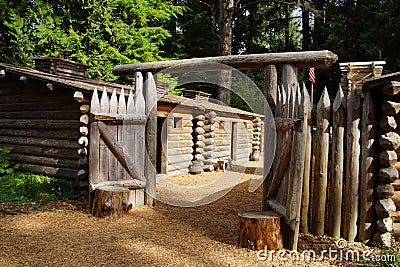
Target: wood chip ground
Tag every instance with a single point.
(66, 235)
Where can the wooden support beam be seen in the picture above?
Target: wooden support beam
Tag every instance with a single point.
(318, 59)
(130, 184)
(281, 166)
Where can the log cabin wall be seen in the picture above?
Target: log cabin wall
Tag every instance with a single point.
(223, 139)
(200, 133)
(386, 98)
(179, 150)
(233, 138)
(41, 123)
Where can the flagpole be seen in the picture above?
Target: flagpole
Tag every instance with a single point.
(312, 94)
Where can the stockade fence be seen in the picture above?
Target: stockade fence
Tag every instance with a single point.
(348, 182)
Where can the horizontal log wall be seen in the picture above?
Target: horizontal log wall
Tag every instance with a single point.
(41, 125)
(243, 148)
(223, 139)
(242, 144)
(180, 143)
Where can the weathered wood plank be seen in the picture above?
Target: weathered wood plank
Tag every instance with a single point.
(150, 96)
(94, 154)
(116, 148)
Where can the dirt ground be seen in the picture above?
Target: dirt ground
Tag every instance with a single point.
(65, 234)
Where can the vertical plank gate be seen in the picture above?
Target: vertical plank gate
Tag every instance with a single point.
(122, 144)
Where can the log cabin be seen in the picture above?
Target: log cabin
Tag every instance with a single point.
(45, 117)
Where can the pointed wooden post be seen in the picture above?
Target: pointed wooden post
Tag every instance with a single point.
(296, 170)
(366, 217)
(104, 152)
(114, 103)
(95, 103)
(321, 164)
(121, 133)
(150, 96)
(139, 130)
(113, 162)
(104, 103)
(352, 167)
(305, 199)
(337, 166)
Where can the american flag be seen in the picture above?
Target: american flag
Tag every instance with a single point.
(312, 75)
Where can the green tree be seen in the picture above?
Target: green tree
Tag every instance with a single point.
(101, 33)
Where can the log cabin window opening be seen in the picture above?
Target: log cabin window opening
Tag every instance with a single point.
(178, 122)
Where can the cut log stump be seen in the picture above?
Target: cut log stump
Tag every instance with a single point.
(111, 202)
(258, 229)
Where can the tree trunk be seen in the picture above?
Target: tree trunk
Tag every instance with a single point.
(305, 20)
(260, 229)
(226, 12)
(111, 202)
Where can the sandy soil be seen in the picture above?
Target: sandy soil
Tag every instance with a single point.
(67, 235)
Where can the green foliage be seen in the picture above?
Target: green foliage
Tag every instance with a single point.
(100, 33)
(387, 257)
(6, 165)
(28, 188)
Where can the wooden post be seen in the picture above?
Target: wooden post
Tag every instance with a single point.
(296, 170)
(150, 96)
(321, 164)
(305, 198)
(271, 91)
(260, 229)
(289, 81)
(366, 217)
(337, 165)
(352, 167)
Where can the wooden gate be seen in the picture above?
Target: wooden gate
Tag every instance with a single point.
(123, 140)
(283, 187)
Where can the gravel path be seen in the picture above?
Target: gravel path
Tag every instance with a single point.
(161, 236)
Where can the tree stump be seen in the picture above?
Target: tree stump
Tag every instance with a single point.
(258, 229)
(111, 202)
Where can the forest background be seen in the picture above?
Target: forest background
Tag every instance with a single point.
(104, 33)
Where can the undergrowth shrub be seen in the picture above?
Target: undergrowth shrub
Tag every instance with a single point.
(31, 188)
